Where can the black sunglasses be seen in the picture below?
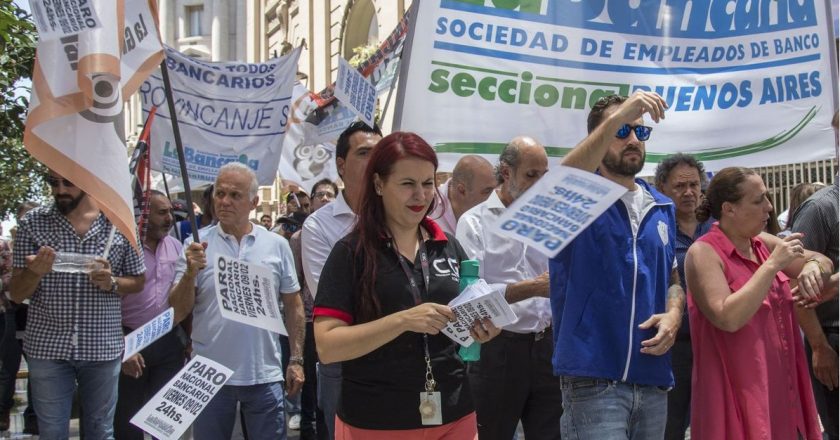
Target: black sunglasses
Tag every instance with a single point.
(55, 181)
(642, 132)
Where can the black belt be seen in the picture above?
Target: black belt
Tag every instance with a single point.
(528, 336)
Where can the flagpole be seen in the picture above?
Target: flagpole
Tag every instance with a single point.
(390, 91)
(165, 185)
(176, 131)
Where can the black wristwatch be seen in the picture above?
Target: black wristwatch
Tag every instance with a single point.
(113, 284)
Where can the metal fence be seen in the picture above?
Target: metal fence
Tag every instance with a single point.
(780, 179)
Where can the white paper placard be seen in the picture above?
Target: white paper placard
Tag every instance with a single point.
(356, 91)
(174, 408)
(245, 293)
(59, 18)
(148, 333)
(558, 208)
(477, 301)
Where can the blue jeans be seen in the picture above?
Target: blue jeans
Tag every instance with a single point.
(262, 412)
(610, 410)
(53, 384)
(329, 389)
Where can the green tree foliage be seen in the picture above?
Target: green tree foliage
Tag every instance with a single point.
(20, 174)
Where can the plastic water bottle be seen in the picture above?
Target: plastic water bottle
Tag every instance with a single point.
(469, 275)
(71, 262)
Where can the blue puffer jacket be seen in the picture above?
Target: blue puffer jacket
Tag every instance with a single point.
(607, 282)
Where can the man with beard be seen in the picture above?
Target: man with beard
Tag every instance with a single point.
(146, 372)
(73, 332)
(513, 380)
(615, 291)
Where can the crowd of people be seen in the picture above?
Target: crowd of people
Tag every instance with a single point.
(675, 308)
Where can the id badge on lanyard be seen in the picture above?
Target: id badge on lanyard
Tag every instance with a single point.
(430, 408)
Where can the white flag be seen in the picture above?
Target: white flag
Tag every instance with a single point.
(80, 83)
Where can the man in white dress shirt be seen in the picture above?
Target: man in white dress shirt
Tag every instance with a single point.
(324, 228)
(513, 380)
(473, 179)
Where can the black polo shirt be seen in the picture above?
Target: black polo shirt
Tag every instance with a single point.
(381, 389)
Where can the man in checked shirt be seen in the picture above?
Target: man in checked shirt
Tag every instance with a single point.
(74, 333)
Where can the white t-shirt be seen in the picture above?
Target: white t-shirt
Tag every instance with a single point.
(252, 353)
(636, 202)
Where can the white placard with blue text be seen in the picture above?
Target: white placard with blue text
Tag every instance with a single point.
(245, 293)
(558, 208)
(227, 112)
(174, 408)
(355, 91)
(55, 19)
(748, 83)
(148, 333)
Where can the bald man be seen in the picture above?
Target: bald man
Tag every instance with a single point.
(513, 380)
(472, 182)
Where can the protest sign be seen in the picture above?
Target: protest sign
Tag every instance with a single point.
(148, 333)
(356, 92)
(751, 83)
(227, 111)
(476, 302)
(245, 293)
(557, 208)
(174, 408)
(60, 18)
(329, 117)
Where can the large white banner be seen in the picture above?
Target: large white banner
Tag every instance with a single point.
(226, 112)
(747, 82)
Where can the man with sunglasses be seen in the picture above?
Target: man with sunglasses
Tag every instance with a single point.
(74, 332)
(615, 292)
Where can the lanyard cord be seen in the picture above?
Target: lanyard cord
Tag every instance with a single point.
(418, 297)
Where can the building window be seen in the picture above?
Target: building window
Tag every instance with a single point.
(195, 15)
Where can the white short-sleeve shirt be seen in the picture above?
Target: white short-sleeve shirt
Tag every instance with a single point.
(252, 353)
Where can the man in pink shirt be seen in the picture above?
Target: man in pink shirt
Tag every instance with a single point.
(146, 372)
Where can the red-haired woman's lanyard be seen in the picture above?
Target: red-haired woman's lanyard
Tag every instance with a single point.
(430, 410)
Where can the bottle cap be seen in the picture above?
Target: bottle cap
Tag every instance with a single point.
(469, 268)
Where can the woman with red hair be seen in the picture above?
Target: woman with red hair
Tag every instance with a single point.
(381, 306)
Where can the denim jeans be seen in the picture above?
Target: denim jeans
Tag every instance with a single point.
(610, 410)
(53, 384)
(329, 389)
(262, 412)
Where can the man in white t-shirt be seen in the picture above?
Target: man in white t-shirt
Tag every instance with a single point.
(251, 352)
